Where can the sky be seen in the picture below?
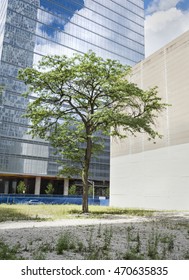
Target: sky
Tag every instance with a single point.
(164, 21)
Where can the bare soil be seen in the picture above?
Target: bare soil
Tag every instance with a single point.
(165, 235)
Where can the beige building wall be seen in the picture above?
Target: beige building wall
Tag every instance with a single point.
(148, 175)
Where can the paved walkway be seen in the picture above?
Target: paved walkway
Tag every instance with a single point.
(68, 222)
(87, 221)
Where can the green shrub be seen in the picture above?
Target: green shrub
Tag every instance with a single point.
(90, 190)
(72, 190)
(49, 189)
(21, 188)
(107, 192)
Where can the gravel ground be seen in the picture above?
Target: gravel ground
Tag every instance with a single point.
(165, 235)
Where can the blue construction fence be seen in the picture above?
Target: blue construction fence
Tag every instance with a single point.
(50, 199)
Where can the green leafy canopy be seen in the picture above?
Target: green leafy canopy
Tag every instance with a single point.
(78, 97)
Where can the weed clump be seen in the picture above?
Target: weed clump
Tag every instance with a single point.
(64, 243)
(8, 253)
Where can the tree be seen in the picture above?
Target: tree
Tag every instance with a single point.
(21, 188)
(49, 189)
(78, 97)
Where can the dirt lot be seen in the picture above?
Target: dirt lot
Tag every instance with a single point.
(165, 235)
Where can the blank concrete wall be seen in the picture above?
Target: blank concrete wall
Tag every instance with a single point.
(157, 179)
(150, 175)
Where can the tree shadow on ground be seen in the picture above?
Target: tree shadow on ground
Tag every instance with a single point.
(12, 214)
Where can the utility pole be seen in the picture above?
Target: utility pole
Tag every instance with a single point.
(93, 186)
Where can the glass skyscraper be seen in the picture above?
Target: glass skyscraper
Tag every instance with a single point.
(30, 29)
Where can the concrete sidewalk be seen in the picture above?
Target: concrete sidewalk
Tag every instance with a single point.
(69, 222)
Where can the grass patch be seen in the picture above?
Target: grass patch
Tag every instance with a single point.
(100, 211)
(54, 212)
(16, 213)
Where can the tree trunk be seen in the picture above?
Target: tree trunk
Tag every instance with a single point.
(85, 208)
(85, 175)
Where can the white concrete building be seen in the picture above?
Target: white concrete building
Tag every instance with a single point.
(156, 176)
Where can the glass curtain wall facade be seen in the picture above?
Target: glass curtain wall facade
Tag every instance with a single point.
(30, 29)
